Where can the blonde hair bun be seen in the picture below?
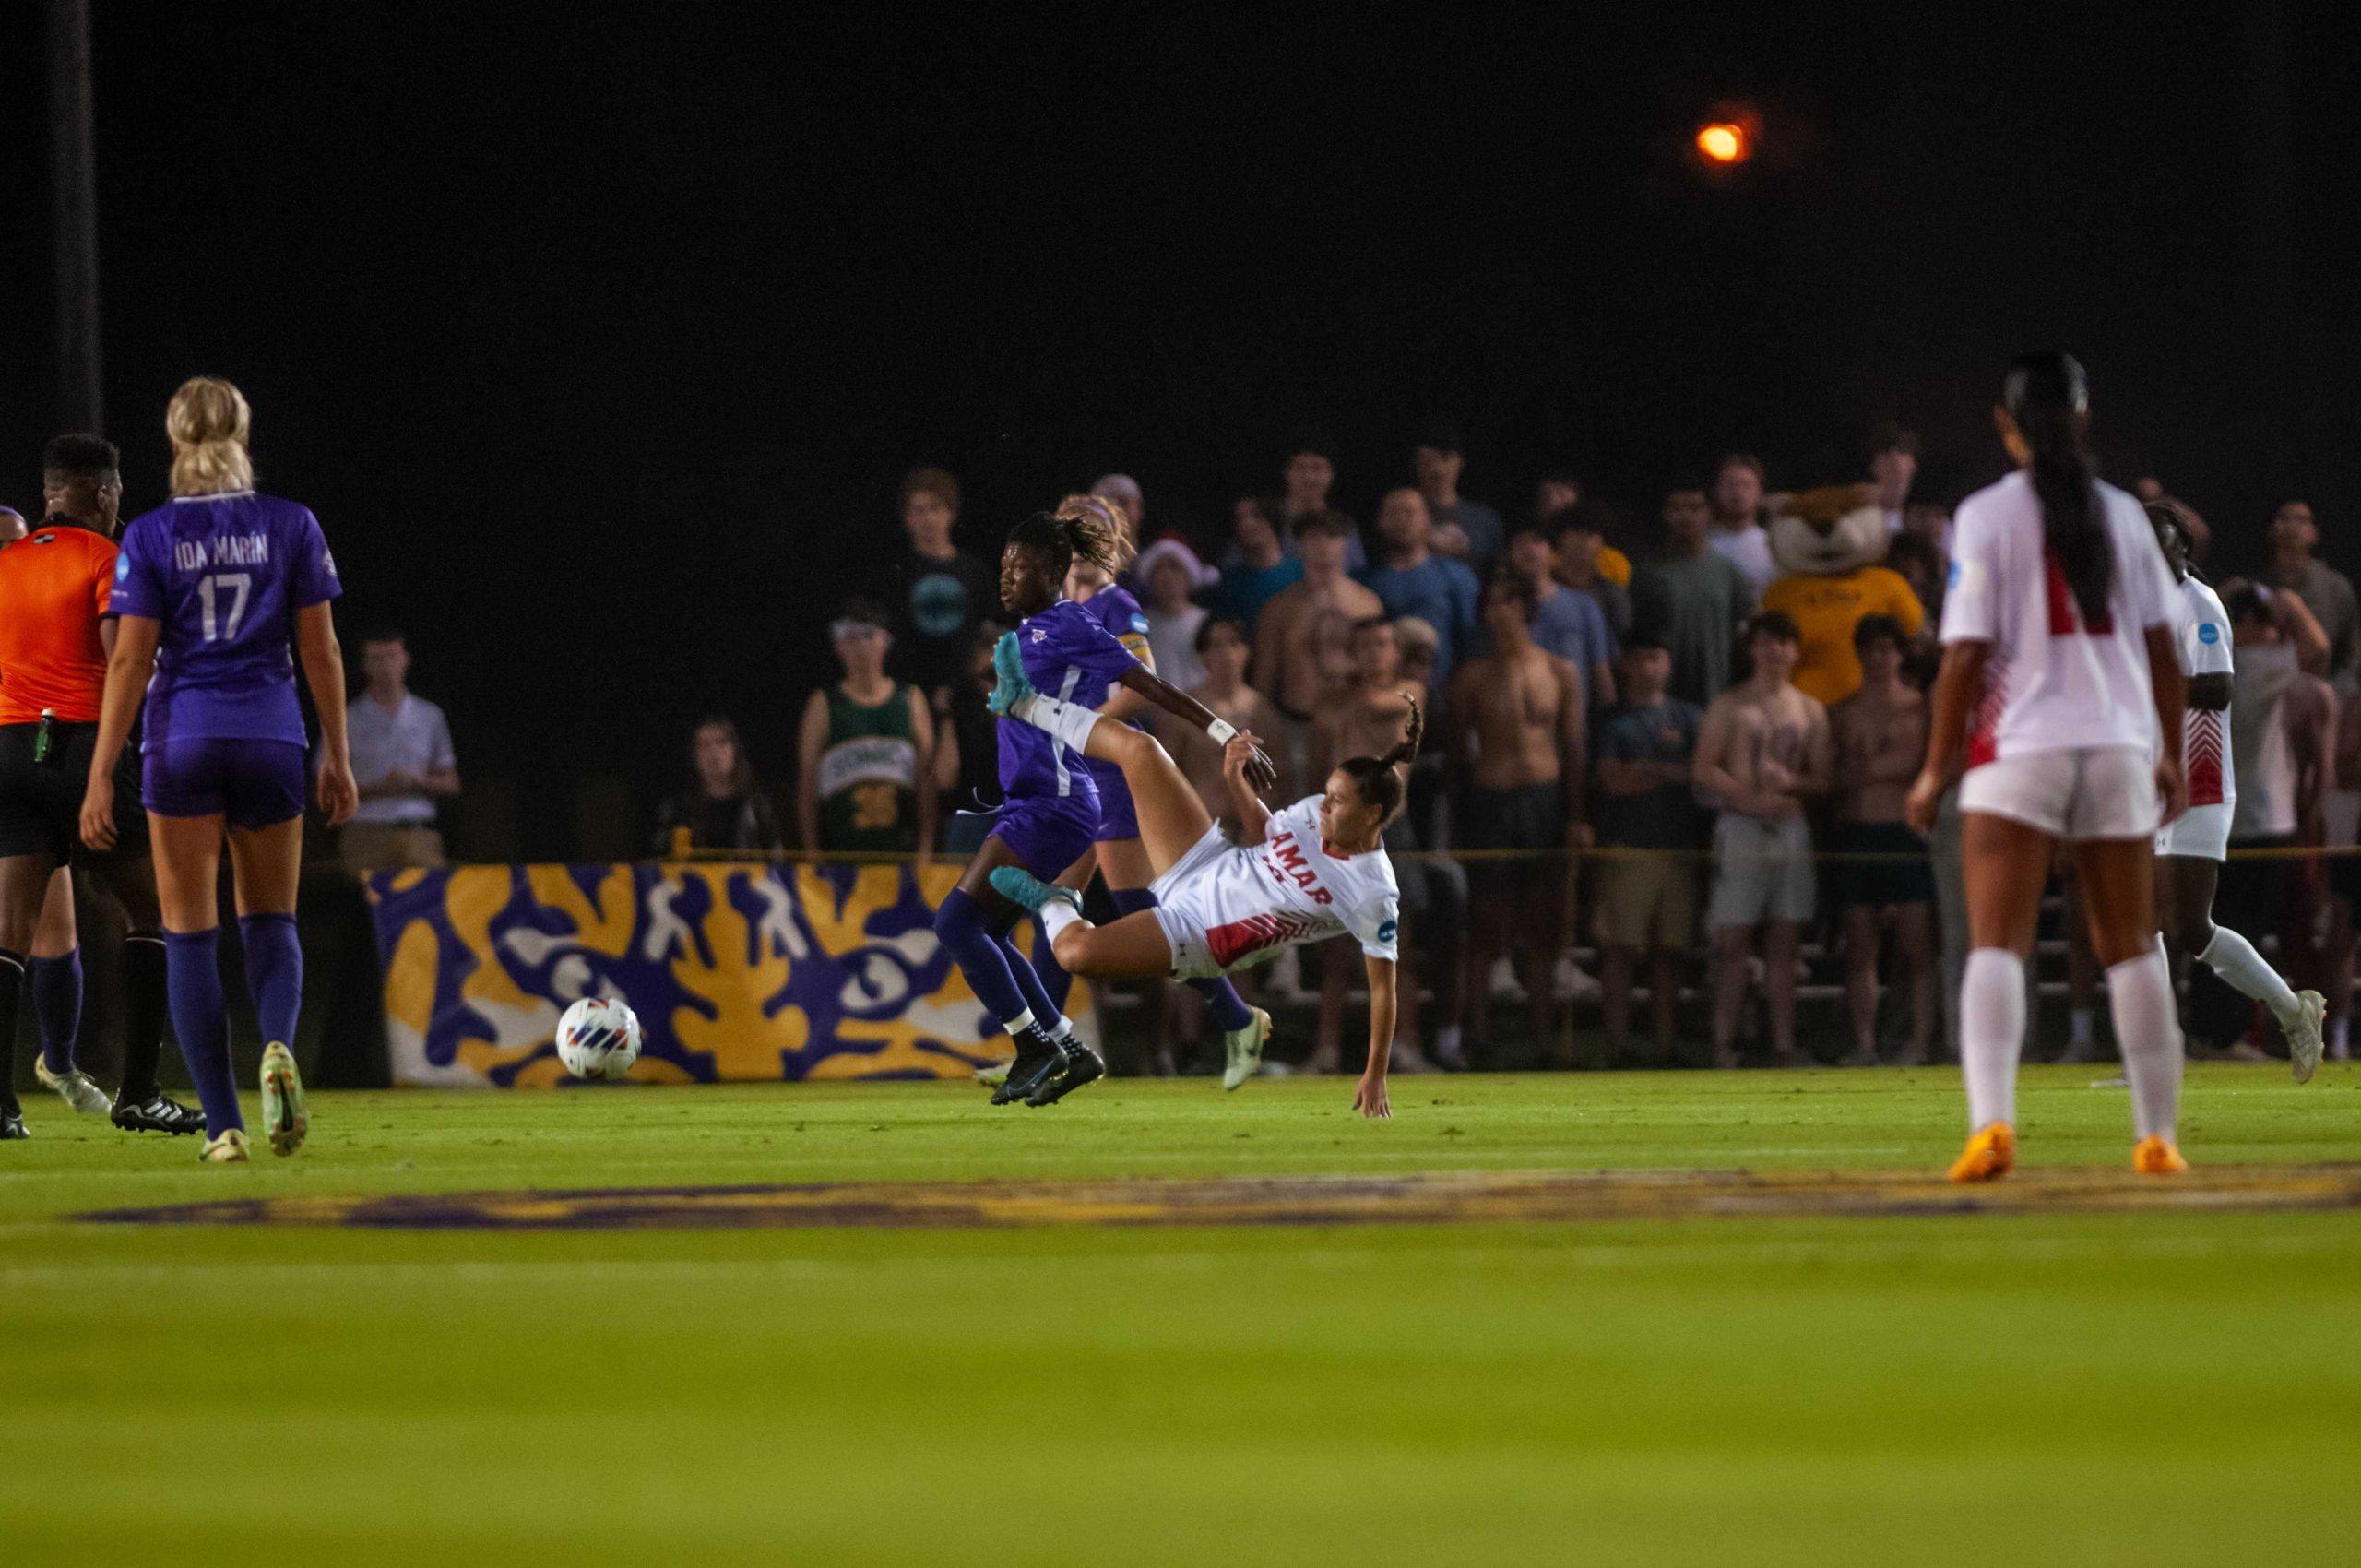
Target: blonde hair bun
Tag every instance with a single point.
(210, 424)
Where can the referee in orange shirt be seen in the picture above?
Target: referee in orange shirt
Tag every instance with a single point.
(56, 634)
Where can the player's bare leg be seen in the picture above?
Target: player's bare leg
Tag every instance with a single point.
(1172, 819)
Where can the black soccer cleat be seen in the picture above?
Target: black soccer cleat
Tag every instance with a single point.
(159, 1114)
(1037, 1057)
(1079, 1065)
(12, 1127)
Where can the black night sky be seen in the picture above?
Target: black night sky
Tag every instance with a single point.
(599, 344)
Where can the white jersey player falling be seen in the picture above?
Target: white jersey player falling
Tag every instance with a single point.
(1226, 908)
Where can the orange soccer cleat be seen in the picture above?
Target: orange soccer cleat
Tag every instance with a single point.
(2156, 1155)
(1991, 1155)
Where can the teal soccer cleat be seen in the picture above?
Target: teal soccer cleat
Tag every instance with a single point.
(1021, 887)
(1011, 686)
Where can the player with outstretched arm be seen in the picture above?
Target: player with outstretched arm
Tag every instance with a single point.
(1312, 871)
(1051, 813)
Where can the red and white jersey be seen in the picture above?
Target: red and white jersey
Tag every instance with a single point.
(1290, 889)
(2054, 683)
(2205, 736)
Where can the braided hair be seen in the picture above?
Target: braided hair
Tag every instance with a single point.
(1071, 534)
(1383, 780)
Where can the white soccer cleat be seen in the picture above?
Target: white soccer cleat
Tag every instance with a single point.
(229, 1148)
(992, 1074)
(282, 1100)
(1245, 1048)
(2303, 1034)
(76, 1090)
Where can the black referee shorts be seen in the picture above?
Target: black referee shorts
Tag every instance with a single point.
(41, 803)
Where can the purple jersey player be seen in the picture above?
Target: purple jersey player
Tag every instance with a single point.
(219, 593)
(1111, 605)
(1053, 810)
(1117, 854)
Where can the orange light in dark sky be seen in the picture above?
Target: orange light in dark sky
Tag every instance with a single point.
(1722, 141)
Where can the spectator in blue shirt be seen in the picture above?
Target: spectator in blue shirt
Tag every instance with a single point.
(1413, 580)
(1256, 566)
(1464, 529)
(1567, 624)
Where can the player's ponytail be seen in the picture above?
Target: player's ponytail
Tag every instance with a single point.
(209, 422)
(1094, 533)
(2049, 399)
(1384, 780)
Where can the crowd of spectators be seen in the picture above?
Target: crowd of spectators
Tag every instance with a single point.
(1655, 745)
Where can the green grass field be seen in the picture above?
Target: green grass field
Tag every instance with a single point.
(2039, 1388)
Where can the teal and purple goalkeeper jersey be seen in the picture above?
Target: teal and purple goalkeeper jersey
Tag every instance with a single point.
(225, 575)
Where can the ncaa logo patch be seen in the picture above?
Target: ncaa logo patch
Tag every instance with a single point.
(122, 567)
(1385, 931)
(2208, 633)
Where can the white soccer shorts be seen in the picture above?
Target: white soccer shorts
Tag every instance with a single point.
(2071, 793)
(2202, 833)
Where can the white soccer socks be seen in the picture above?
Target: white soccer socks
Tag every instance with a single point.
(1056, 915)
(1991, 1034)
(2233, 959)
(2147, 1035)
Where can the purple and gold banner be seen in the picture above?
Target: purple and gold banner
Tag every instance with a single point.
(737, 971)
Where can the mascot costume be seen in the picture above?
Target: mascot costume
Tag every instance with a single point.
(1828, 544)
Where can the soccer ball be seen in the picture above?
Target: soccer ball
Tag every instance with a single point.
(597, 1038)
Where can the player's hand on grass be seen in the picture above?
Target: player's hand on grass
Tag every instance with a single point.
(1369, 1098)
(338, 794)
(1919, 806)
(98, 814)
